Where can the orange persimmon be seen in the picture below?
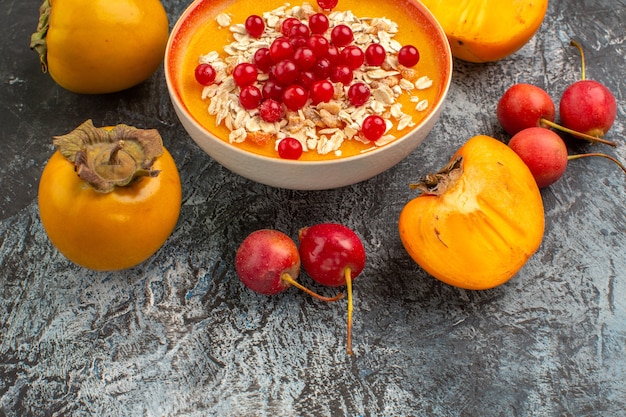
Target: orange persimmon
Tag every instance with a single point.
(487, 30)
(478, 220)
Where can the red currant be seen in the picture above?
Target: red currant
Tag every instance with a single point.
(375, 55)
(322, 68)
(333, 54)
(281, 49)
(245, 74)
(287, 24)
(321, 91)
(341, 74)
(327, 4)
(352, 56)
(358, 94)
(304, 57)
(205, 74)
(289, 148)
(271, 111)
(306, 79)
(286, 72)
(263, 60)
(295, 97)
(318, 44)
(373, 127)
(250, 97)
(255, 26)
(408, 56)
(341, 35)
(319, 23)
(271, 89)
(299, 30)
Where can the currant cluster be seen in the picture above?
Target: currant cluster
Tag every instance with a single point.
(303, 65)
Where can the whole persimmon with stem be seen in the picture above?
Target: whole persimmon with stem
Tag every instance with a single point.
(268, 262)
(333, 255)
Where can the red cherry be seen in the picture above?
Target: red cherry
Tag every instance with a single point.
(205, 74)
(290, 148)
(255, 26)
(322, 91)
(341, 35)
(295, 97)
(373, 127)
(375, 55)
(319, 23)
(358, 94)
(327, 4)
(245, 74)
(250, 97)
(408, 56)
(271, 111)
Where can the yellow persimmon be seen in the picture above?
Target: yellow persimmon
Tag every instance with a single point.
(487, 30)
(478, 220)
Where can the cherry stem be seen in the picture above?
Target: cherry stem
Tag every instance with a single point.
(582, 57)
(583, 155)
(287, 278)
(348, 275)
(578, 134)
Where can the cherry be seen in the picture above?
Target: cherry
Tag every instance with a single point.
(333, 255)
(352, 56)
(321, 91)
(543, 151)
(290, 148)
(358, 94)
(373, 127)
(268, 262)
(525, 105)
(327, 4)
(295, 97)
(245, 74)
(587, 106)
(205, 74)
(375, 55)
(318, 23)
(408, 56)
(254, 26)
(545, 154)
(341, 35)
(271, 111)
(250, 97)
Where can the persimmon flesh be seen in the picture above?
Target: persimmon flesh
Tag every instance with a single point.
(478, 221)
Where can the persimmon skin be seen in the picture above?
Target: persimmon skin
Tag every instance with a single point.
(480, 231)
(105, 46)
(108, 231)
(487, 30)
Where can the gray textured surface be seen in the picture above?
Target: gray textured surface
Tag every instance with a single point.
(179, 336)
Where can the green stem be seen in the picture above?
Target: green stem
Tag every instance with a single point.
(289, 279)
(584, 155)
(582, 57)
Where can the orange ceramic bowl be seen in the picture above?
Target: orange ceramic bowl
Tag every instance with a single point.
(196, 33)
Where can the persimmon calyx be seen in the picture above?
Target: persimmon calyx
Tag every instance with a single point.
(38, 38)
(439, 182)
(108, 158)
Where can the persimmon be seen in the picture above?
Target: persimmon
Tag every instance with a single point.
(100, 46)
(487, 30)
(478, 220)
(109, 197)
